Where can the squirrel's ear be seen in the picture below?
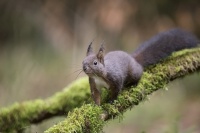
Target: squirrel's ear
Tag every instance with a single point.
(89, 50)
(100, 55)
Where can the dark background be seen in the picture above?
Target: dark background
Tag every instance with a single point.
(42, 43)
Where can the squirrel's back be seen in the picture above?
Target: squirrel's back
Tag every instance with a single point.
(115, 60)
(162, 45)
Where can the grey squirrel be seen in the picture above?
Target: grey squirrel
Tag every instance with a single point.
(117, 68)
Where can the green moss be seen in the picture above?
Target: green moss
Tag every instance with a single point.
(84, 119)
(154, 78)
(87, 117)
(19, 115)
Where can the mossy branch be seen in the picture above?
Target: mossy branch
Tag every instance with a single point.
(19, 115)
(90, 118)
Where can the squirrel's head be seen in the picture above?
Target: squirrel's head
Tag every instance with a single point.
(93, 64)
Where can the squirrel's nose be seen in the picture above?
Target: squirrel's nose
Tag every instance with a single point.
(84, 68)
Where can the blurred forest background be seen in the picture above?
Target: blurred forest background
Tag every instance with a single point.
(42, 43)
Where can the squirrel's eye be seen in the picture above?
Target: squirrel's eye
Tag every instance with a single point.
(95, 62)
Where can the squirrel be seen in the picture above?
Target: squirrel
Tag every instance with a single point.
(117, 68)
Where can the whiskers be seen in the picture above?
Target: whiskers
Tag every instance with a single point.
(77, 71)
(93, 71)
(80, 71)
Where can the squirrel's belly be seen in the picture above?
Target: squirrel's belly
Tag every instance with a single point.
(100, 83)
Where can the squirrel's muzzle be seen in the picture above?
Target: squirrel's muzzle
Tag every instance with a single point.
(84, 68)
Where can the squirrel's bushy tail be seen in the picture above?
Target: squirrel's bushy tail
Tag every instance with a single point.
(162, 45)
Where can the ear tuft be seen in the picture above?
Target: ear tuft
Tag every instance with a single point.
(100, 55)
(90, 49)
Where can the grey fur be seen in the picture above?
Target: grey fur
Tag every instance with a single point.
(162, 45)
(117, 68)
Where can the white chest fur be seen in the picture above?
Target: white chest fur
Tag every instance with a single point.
(100, 83)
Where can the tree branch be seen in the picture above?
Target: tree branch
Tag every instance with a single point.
(91, 118)
(19, 115)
